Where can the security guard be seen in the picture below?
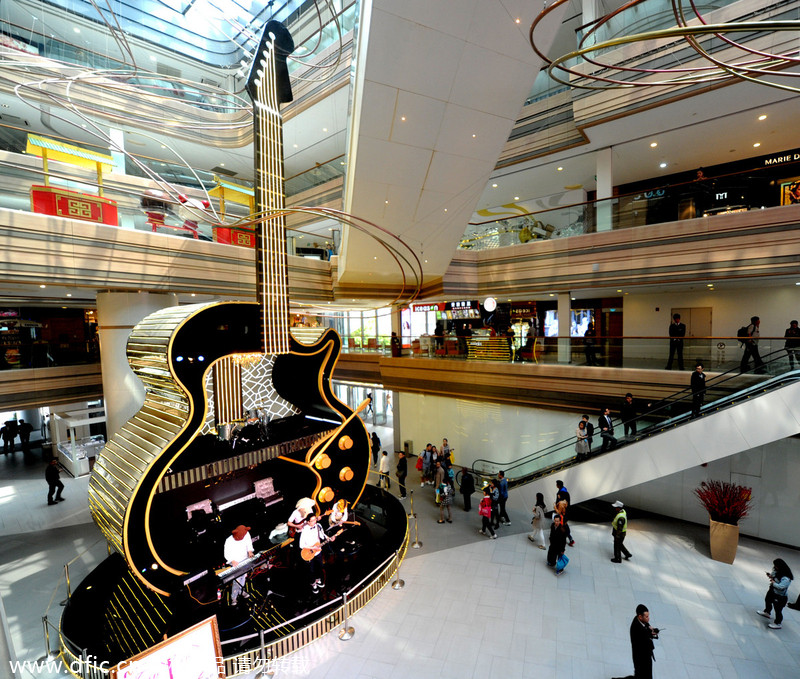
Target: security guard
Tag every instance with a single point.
(619, 528)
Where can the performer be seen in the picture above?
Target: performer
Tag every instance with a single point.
(297, 520)
(338, 515)
(312, 537)
(238, 547)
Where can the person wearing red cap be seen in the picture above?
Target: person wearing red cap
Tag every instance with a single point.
(238, 547)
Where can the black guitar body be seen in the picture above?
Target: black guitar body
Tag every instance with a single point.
(156, 536)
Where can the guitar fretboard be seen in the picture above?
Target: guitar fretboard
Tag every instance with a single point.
(271, 262)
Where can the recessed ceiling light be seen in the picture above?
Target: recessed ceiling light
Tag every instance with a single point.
(757, 144)
(662, 165)
(426, 261)
(653, 144)
(69, 294)
(516, 197)
(445, 209)
(559, 168)
(324, 129)
(152, 57)
(341, 162)
(403, 119)
(163, 146)
(386, 201)
(709, 285)
(193, 295)
(474, 135)
(619, 290)
(222, 164)
(762, 117)
(494, 186)
(374, 258)
(42, 286)
(517, 20)
(76, 29)
(294, 145)
(552, 294)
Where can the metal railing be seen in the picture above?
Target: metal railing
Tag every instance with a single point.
(266, 652)
(722, 391)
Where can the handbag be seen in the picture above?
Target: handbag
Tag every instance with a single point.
(561, 562)
(419, 464)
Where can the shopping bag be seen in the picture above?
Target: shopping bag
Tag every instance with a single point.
(562, 562)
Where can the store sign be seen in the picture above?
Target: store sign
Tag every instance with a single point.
(416, 308)
(469, 304)
(523, 309)
(781, 158)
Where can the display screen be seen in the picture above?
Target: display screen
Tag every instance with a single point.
(551, 323)
(580, 319)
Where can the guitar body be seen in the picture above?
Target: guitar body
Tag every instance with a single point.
(173, 351)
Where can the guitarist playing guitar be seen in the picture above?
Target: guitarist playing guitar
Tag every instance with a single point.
(312, 538)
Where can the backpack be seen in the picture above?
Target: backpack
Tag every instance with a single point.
(743, 332)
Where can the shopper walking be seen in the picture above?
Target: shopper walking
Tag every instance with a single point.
(537, 523)
(778, 593)
(402, 472)
(750, 343)
(558, 541)
(52, 476)
(792, 344)
(485, 511)
(383, 478)
(502, 487)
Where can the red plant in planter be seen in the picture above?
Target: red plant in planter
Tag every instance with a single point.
(725, 502)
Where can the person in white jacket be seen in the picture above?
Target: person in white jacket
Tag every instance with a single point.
(384, 471)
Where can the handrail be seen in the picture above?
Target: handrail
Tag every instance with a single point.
(485, 467)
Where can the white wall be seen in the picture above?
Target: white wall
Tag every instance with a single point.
(775, 306)
(772, 471)
(481, 430)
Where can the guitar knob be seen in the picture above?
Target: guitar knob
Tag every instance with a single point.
(322, 461)
(325, 495)
(345, 443)
(346, 474)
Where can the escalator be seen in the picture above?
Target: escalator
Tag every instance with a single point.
(741, 411)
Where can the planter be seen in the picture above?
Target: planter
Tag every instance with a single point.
(724, 541)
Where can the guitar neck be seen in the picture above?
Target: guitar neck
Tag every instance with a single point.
(272, 279)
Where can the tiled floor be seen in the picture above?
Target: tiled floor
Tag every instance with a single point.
(471, 606)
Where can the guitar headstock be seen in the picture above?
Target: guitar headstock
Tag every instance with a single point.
(283, 46)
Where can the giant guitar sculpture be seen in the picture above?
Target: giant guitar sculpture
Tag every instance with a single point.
(204, 365)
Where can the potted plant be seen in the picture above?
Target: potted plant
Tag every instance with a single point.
(726, 504)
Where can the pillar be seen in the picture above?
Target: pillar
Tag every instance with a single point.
(605, 189)
(117, 314)
(564, 324)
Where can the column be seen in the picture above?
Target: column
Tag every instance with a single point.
(564, 324)
(605, 189)
(117, 314)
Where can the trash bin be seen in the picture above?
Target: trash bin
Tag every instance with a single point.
(408, 448)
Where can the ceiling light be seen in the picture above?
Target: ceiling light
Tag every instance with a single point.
(517, 20)
(619, 290)
(341, 162)
(709, 285)
(163, 146)
(559, 168)
(193, 294)
(662, 165)
(42, 286)
(152, 57)
(474, 135)
(445, 209)
(76, 29)
(63, 307)
(494, 186)
(426, 261)
(653, 144)
(324, 129)
(386, 201)
(374, 258)
(757, 144)
(69, 294)
(516, 197)
(762, 117)
(402, 118)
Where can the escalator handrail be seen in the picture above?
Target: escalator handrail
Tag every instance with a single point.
(651, 429)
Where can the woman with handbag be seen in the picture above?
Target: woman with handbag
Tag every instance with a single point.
(485, 510)
(537, 523)
(558, 544)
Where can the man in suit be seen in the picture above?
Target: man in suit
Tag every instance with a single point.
(677, 331)
(642, 646)
(606, 428)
